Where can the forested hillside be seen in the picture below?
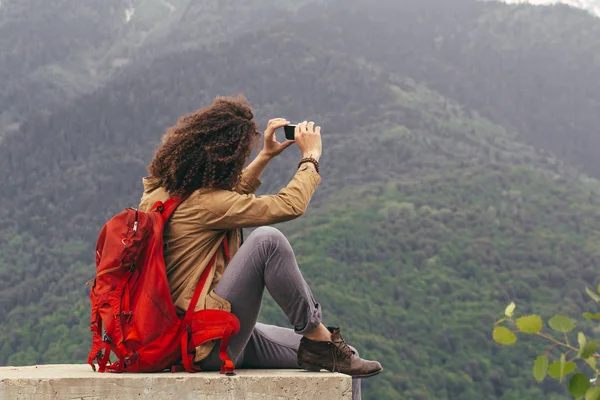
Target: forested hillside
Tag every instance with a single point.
(39, 41)
(513, 63)
(430, 217)
(54, 51)
(535, 70)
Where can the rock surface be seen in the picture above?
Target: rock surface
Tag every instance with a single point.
(50, 382)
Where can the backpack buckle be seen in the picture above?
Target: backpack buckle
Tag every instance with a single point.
(127, 315)
(128, 360)
(228, 368)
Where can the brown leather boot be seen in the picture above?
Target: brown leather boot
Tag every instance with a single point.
(335, 356)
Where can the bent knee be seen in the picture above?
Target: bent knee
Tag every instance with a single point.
(267, 233)
(271, 239)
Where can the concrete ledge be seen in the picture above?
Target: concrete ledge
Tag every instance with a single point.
(61, 382)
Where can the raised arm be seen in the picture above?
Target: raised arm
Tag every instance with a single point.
(229, 210)
(234, 210)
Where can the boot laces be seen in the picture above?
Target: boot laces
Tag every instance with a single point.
(343, 349)
(340, 348)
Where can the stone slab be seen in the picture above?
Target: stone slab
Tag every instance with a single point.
(66, 382)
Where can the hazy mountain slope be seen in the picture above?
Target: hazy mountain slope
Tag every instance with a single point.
(532, 69)
(523, 67)
(593, 6)
(222, 20)
(54, 51)
(38, 35)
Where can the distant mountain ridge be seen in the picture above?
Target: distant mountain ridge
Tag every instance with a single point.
(52, 52)
(592, 6)
(533, 70)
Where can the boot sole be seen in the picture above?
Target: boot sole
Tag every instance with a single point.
(316, 368)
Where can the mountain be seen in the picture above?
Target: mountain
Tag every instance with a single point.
(54, 51)
(593, 6)
(430, 218)
(510, 63)
(36, 37)
(533, 70)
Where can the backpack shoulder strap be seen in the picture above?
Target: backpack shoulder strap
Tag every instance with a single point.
(203, 278)
(169, 207)
(233, 327)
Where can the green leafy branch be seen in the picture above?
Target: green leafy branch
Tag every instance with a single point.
(567, 358)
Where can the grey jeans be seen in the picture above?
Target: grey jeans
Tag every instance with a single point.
(266, 259)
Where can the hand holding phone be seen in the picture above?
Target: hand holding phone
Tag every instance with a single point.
(272, 147)
(308, 139)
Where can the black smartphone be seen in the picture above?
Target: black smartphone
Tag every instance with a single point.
(289, 131)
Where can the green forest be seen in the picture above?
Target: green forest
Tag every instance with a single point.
(459, 170)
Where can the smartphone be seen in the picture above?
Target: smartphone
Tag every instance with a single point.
(289, 131)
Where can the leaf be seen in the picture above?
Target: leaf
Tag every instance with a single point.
(591, 361)
(540, 368)
(504, 336)
(582, 341)
(579, 385)
(592, 295)
(589, 315)
(593, 394)
(589, 349)
(530, 324)
(561, 323)
(554, 370)
(510, 309)
(562, 366)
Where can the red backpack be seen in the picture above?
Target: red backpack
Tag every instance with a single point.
(132, 300)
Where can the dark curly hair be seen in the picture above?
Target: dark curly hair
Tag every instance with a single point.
(207, 148)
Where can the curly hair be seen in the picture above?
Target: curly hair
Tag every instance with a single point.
(207, 148)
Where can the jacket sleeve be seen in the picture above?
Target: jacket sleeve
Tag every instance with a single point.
(247, 184)
(231, 210)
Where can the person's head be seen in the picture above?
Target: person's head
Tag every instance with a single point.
(207, 148)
